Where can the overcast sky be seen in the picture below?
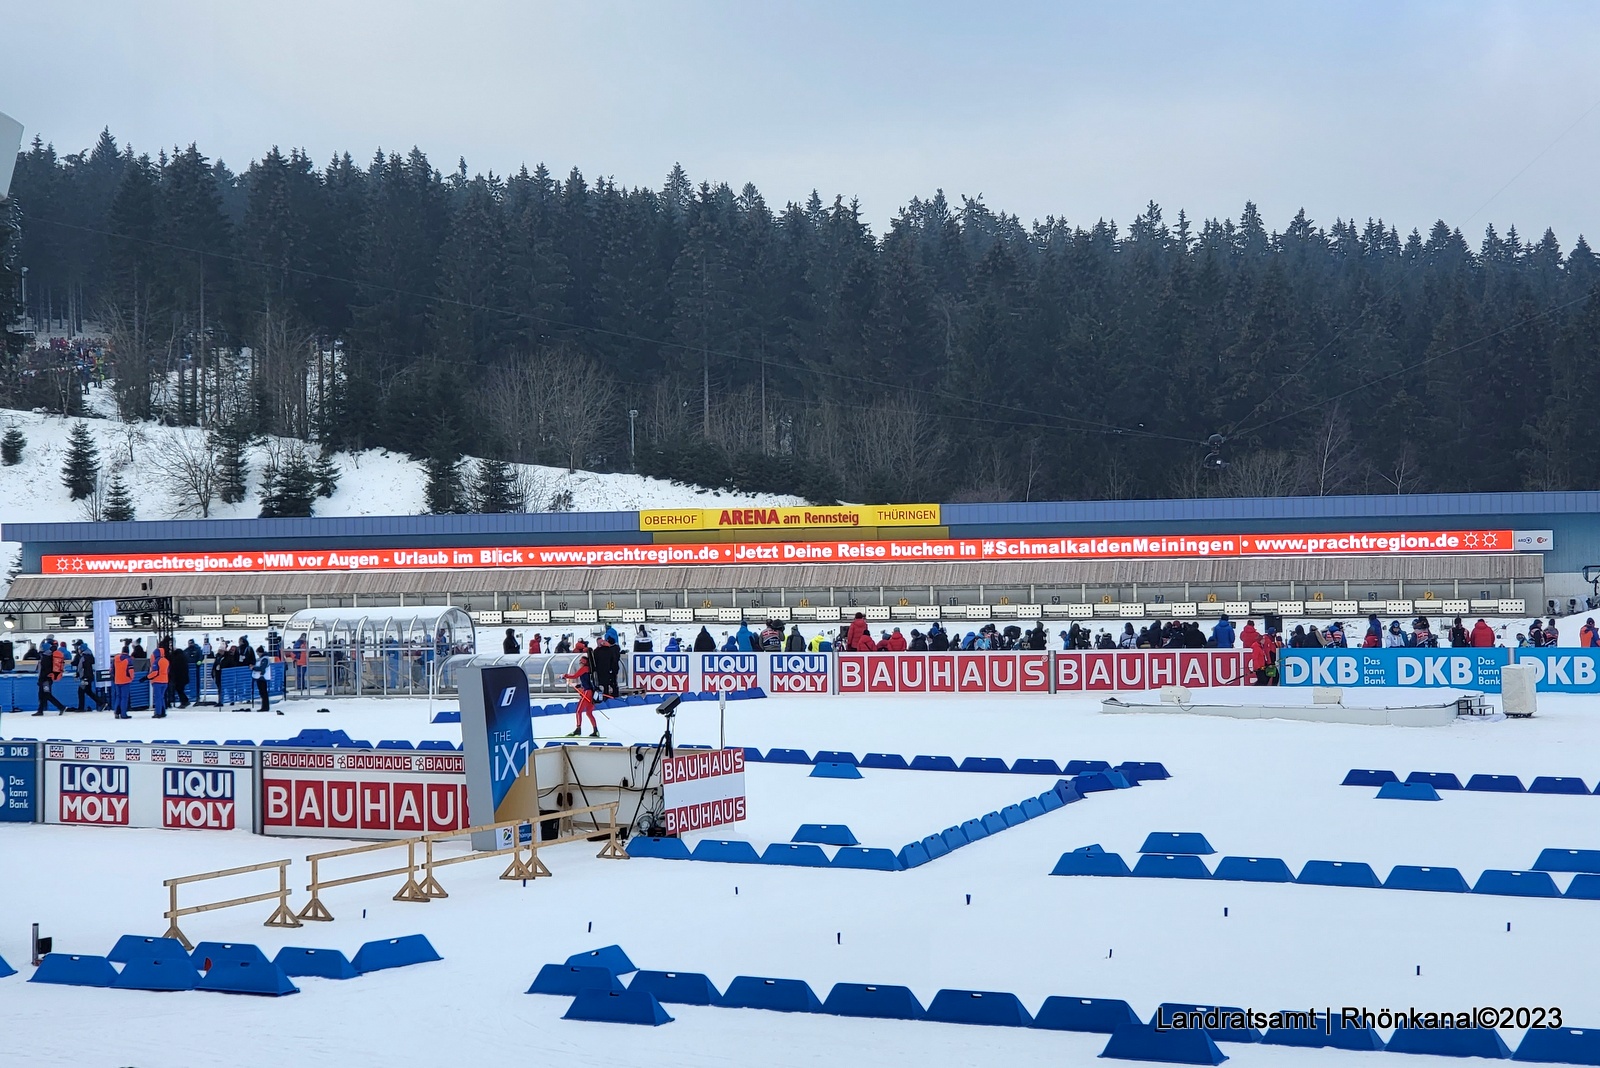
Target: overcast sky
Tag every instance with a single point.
(1408, 111)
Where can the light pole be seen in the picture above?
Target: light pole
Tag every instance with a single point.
(633, 413)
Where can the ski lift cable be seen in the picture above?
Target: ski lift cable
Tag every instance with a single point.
(1361, 317)
(1086, 425)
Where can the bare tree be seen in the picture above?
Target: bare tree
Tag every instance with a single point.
(1402, 474)
(187, 460)
(1264, 473)
(93, 506)
(1331, 461)
(582, 398)
(281, 350)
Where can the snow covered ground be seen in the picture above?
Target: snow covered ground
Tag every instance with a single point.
(1257, 788)
(375, 482)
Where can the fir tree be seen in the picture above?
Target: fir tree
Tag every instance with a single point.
(233, 468)
(289, 490)
(11, 447)
(83, 463)
(327, 474)
(444, 489)
(118, 507)
(494, 488)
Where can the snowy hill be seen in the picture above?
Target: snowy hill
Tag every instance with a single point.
(374, 482)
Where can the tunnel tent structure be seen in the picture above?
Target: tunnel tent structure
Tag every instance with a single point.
(379, 650)
(544, 670)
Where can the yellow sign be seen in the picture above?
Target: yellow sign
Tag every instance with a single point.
(822, 515)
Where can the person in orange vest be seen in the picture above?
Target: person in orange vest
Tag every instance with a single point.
(302, 657)
(121, 681)
(157, 676)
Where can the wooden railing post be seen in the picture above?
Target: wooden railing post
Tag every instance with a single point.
(281, 916)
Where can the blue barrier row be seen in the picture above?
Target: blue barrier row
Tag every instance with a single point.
(1535, 882)
(1483, 783)
(1134, 770)
(587, 980)
(20, 692)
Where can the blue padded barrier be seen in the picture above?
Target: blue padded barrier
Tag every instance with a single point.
(617, 1006)
(610, 957)
(1407, 791)
(835, 771)
(435, 745)
(383, 953)
(1050, 801)
(1324, 1033)
(779, 995)
(1368, 777)
(165, 972)
(1035, 766)
(1253, 870)
(795, 854)
(1137, 771)
(990, 1007)
(247, 977)
(319, 963)
(985, 764)
(1177, 842)
(73, 969)
(994, 823)
(1084, 767)
(933, 763)
(974, 830)
(1013, 815)
(1413, 877)
(1098, 781)
(1090, 864)
(1171, 866)
(565, 980)
(935, 846)
(238, 741)
(1338, 873)
(1557, 784)
(873, 1002)
(1516, 884)
(726, 852)
(953, 838)
(912, 855)
(1066, 791)
(786, 756)
(452, 716)
(887, 761)
(753, 755)
(1139, 1042)
(1587, 860)
(1439, 780)
(1094, 1015)
(1449, 1042)
(833, 756)
(676, 988)
(1560, 1045)
(866, 858)
(1584, 888)
(6, 969)
(390, 743)
(1496, 784)
(208, 955)
(659, 848)
(1032, 808)
(133, 947)
(1166, 1011)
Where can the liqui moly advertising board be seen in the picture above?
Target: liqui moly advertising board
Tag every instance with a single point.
(180, 787)
(346, 793)
(809, 673)
(703, 789)
(701, 672)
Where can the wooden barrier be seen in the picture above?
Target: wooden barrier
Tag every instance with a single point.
(281, 916)
(428, 887)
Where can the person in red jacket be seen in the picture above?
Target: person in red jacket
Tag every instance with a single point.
(895, 643)
(859, 639)
(1482, 636)
(582, 675)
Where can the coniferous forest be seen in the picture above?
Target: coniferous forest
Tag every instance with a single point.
(695, 331)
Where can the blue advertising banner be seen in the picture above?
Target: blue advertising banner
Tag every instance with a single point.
(1563, 670)
(1461, 669)
(19, 782)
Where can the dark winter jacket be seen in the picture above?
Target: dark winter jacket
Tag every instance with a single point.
(704, 642)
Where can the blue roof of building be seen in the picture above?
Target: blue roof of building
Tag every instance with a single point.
(402, 526)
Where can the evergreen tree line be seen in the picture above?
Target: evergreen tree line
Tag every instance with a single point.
(695, 332)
